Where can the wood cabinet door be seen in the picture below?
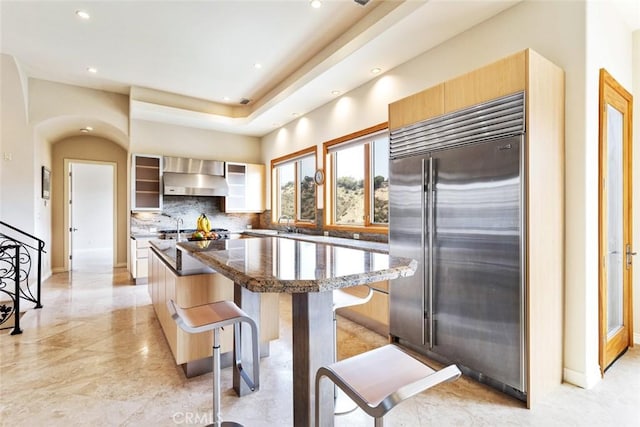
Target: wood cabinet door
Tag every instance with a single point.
(500, 78)
(415, 108)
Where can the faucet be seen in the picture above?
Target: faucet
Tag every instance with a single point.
(289, 219)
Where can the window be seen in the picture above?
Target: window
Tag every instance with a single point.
(293, 188)
(357, 191)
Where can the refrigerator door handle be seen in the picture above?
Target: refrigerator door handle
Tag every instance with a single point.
(430, 230)
(424, 201)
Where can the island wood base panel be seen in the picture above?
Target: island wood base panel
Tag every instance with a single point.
(194, 351)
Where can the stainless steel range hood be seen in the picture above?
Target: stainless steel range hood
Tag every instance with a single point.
(193, 177)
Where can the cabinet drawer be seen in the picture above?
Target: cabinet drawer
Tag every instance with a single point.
(142, 243)
(142, 253)
(142, 267)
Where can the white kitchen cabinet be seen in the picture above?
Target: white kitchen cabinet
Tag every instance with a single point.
(146, 177)
(140, 259)
(246, 188)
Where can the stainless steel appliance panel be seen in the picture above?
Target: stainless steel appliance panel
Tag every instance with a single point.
(407, 222)
(477, 296)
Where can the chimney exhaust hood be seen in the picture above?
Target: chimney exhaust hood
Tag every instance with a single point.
(193, 177)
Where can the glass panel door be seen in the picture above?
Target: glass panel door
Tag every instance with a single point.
(615, 250)
(615, 215)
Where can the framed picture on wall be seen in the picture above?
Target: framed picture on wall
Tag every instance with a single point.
(46, 183)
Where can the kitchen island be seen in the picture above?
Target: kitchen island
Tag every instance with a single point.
(175, 275)
(308, 271)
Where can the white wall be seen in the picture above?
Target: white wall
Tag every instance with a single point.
(18, 181)
(171, 140)
(558, 31)
(60, 110)
(43, 210)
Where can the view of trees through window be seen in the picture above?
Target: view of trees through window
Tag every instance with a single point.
(286, 174)
(349, 199)
(381, 181)
(307, 190)
(306, 194)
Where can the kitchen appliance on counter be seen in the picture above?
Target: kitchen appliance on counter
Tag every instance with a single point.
(172, 234)
(456, 205)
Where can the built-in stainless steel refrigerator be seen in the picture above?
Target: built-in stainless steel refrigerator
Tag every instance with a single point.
(456, 206)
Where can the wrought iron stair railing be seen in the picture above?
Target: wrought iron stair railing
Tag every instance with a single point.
(15, 272)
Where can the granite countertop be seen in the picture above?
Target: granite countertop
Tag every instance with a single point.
(144, 235)
(335, 241)
(275, 264)
(182, 264)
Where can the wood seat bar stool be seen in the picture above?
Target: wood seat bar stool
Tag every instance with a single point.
(342, 299)
(378, 380)
(212, 317)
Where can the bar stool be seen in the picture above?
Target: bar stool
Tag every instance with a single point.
(342, 299)
(212, 317)
(380, 379)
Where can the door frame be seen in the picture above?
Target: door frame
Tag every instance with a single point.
(606, 80)
(67, 204)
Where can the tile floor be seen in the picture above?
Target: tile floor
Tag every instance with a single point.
(95, 356)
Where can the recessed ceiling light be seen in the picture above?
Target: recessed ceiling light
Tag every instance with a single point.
(83, 14)
(226, 98)
(315, 4)
(376, 70)
(89, 128)
(257, 65)
(335, 92)
(92, 70)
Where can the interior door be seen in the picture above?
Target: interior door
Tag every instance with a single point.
(91, 215)
(616, 251)
(72, 228)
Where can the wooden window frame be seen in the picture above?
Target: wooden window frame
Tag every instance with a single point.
(329, 190)
(275, 188)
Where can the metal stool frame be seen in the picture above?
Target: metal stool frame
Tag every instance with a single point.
(393, 376)
(198, 319)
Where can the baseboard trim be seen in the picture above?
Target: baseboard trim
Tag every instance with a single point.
(585, 380)
(636, 338)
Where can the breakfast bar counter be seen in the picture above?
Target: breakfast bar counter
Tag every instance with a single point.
(308, 271)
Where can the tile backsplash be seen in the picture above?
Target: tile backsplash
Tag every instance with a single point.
(189, 208)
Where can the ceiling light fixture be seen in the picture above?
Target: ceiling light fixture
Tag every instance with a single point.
(226, 98)
(86, 129)
(376, 70)
(83, 14)
(316, 4)
(257, 65)
(92, 70)
(335, 92)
